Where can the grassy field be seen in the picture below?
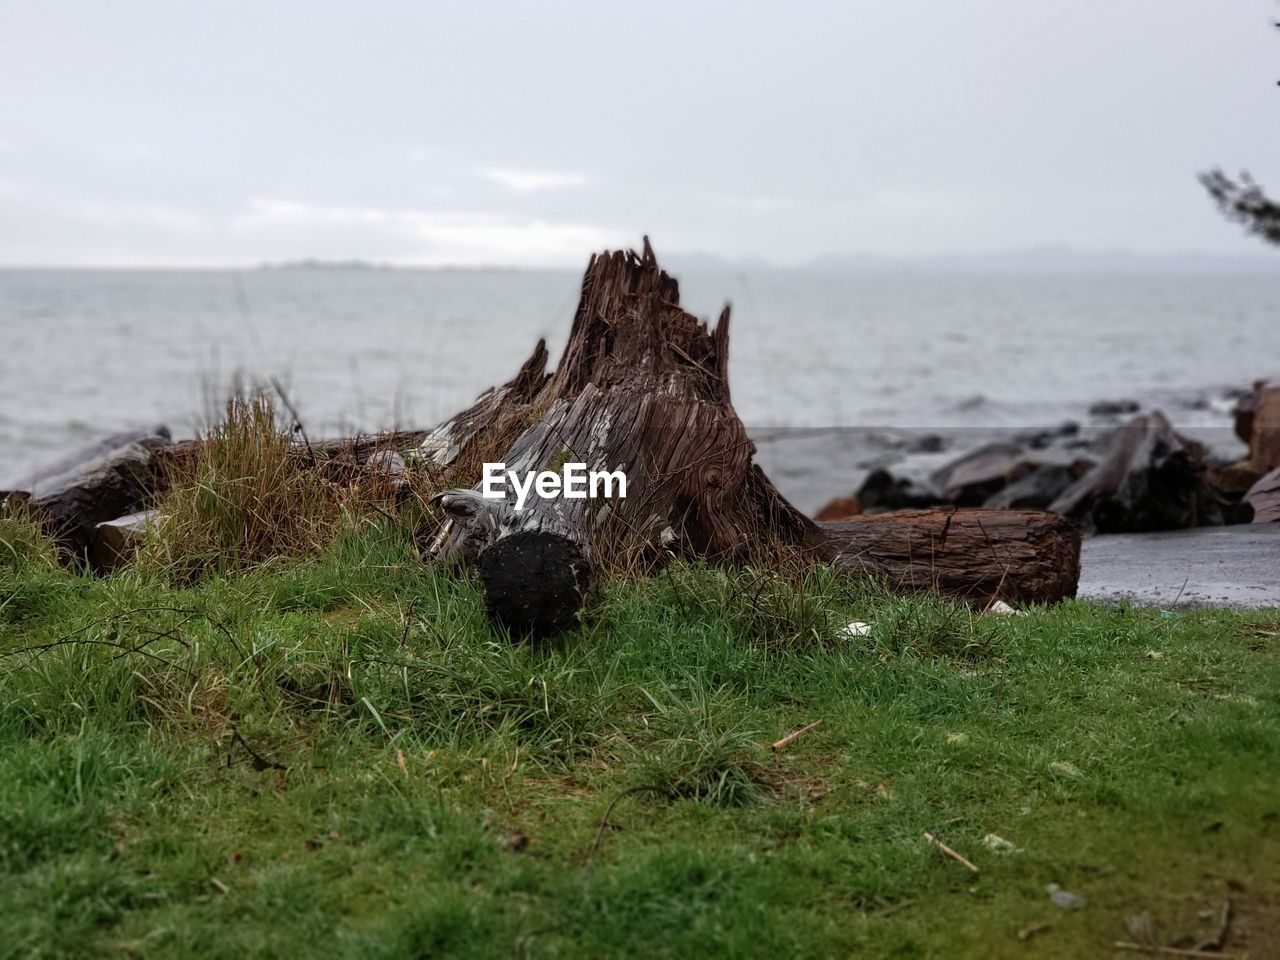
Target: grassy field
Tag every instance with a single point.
(337, 756)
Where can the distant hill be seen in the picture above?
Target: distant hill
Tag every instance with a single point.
(1054, 259)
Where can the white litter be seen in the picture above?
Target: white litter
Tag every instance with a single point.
(1004, 610)
(998, 844)
(1065, 898)
(857, 628)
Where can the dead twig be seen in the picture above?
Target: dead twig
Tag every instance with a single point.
(1026, 933)
(259, 761)
(1219, 939)
(947, 851)
(404, 631)
(890, 910)
(794, 735)
(297, 420)
(604, 817)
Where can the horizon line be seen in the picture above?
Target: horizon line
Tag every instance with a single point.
(1038, 257)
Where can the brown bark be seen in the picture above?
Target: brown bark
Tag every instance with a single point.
(1028, 556)
(115, 542)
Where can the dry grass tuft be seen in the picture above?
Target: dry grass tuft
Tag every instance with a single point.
(255, 494)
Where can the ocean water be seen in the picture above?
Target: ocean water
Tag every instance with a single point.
(830, 371)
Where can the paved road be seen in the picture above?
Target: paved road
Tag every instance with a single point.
(1236, 566)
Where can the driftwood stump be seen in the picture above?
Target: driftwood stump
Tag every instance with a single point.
(642, 387)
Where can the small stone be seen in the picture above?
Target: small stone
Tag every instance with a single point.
(1065, 898)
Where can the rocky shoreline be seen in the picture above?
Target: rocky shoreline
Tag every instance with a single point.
(1137, 475)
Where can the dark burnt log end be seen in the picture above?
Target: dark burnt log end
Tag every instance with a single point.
(980, 555)
(534, 582)
(108, 479)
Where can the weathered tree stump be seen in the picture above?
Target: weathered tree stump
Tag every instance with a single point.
(1264, 428)
(115, 542)
(642, 388)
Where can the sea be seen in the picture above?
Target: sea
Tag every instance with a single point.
(833, 372)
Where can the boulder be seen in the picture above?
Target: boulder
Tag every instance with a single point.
(1037, 490)
(1264, 434)
(1039, 439)
(841, 508)
(1113, 408)
(1151, 479)
(1264, 498)
(882, 492)
(976, 476)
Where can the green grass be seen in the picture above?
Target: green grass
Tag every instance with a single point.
(340, 758)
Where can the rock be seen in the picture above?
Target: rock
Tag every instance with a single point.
(1264, 498)
(1232, 480)
(1037, 490)
(1039, 439)
(1264, 436)
(926, 443)
(1246, 407)
(1114, 408)
(882, 492)
(841, 508)
(974, 477)
(1151, 479)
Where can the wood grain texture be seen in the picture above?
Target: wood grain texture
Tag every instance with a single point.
(1028, 556)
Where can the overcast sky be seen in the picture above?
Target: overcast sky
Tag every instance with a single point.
(532, 133)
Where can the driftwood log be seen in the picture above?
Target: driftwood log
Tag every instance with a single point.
(978, 554)
(106, 480)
